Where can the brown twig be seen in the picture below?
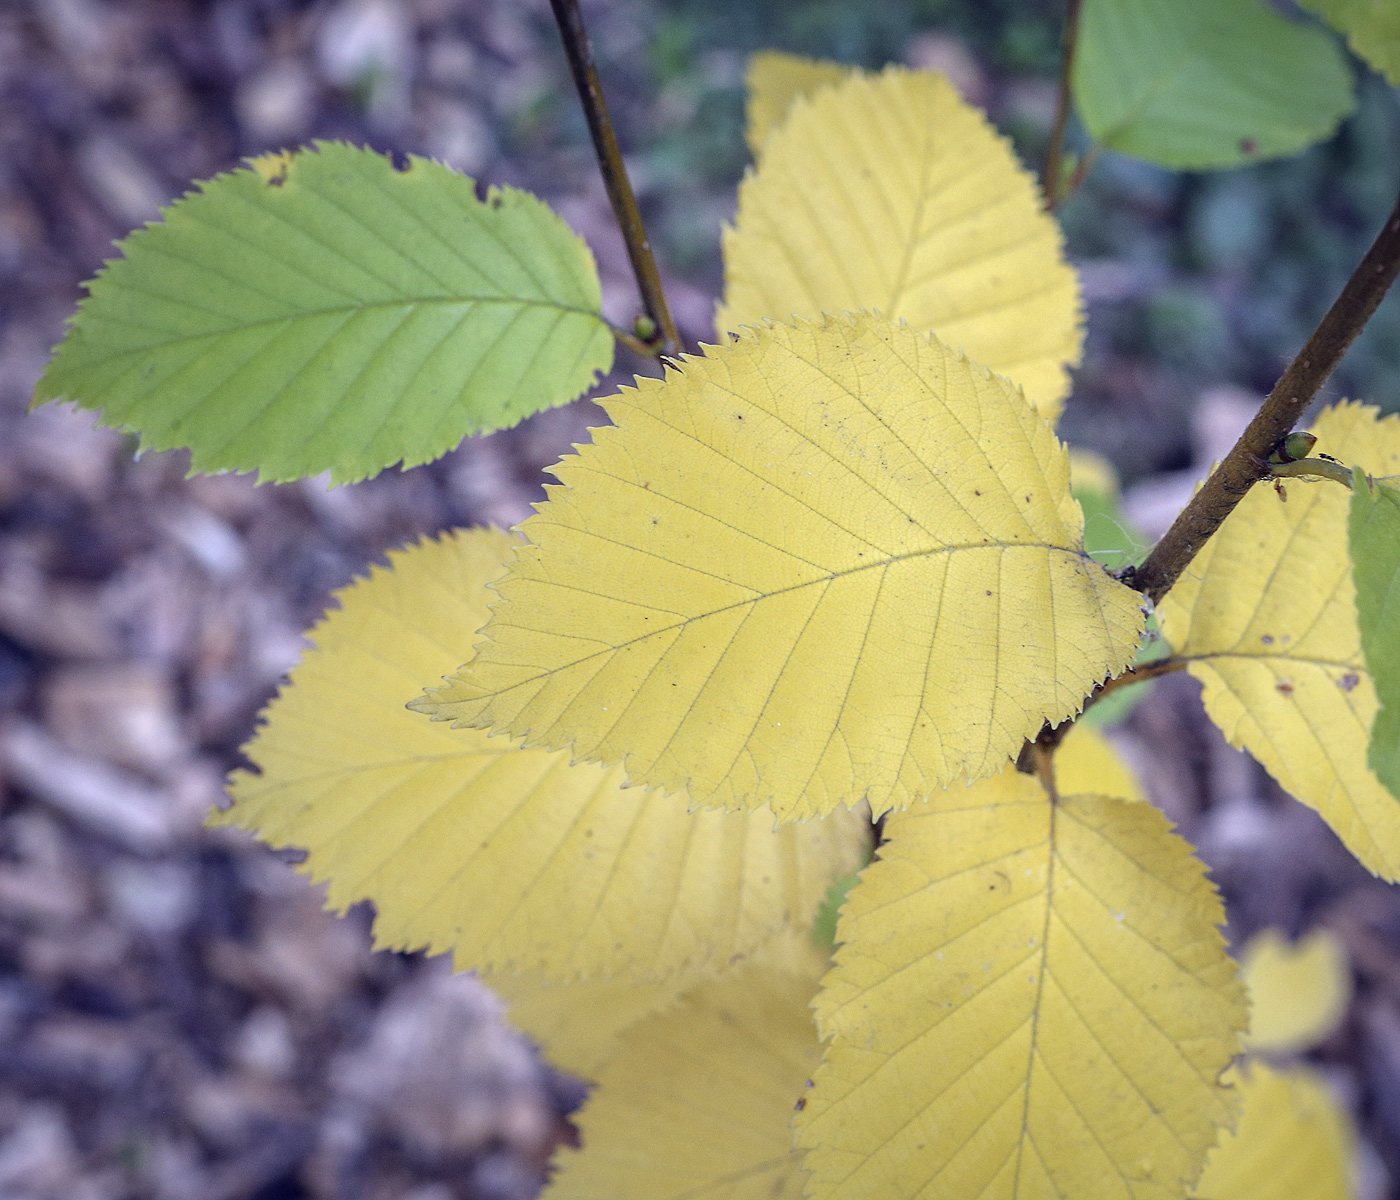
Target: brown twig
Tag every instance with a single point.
(1054, 157)
(624, 201)
(1247, 463)
(1138, 674)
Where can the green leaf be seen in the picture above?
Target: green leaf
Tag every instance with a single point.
(1375, 557)
(323, 311)
(1206, 83)
(1372, 29)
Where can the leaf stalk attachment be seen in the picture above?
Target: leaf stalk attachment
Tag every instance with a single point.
(1247, 463)
(624, 201)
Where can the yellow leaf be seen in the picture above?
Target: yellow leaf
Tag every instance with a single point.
(577, 1022)
(822, 563)
(1087, 763)
(508, 858)
(775, 80)
(1294, 1142)
(890, 192)
(1298, 994)
(698, 1100)
(1267, 614)
(1030, 1000)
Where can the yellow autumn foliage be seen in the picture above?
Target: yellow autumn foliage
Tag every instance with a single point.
(698, 1100)
(890, 192)
(1298, 994)
(509, 858)
(1087, 763)
(1030, 1000)
(821, 564)
(1266, 617)
(774, 81)
(1294, 1141)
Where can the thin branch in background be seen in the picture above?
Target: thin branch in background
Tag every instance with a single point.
(1054, 158)
(624, 200)
(1247, 462)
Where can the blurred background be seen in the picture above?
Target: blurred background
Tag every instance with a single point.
(179, 1019)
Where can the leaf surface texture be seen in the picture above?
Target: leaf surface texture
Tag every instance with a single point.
(510, 858)
(1206, 83)
(1294, 1142)
(775, 80)
(1267, 615)
(890, 192)
(697, 1101)
(824, 563)
(1375, 556)
(1030, 1000)
(323, 311)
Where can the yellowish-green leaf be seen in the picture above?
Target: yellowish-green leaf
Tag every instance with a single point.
(890, 192)
(1088, 763)
(775, 81)
(509, 858)
(1374, 537)
(823, 563)
(1372, 29)
(1267, 615)
(697, 1101)
(1031, 1000)
(1298, 994)
(1294, 1142)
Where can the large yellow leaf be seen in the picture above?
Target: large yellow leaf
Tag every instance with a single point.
(507, 857)
(890, 192)
(1267, 615)
(1294, 1142)
(823, 563)
(775, 80)
(697, 1101)
(1030, 1000)
(1297, 994)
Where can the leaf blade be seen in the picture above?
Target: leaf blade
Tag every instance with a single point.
(808, 539)
(362, 316)
(1029, 999)
(1267, 618)
(775, 80)
(1374, 540)
(512, 859)
(1372, 29)
(889, 192)
(1195, 84)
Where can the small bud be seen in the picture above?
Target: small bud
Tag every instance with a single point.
(644, 327)
(1294, 447)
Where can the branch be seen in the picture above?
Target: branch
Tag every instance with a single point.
(1247, 463)
(624, 201)
(1139, 674)
(1054, 157)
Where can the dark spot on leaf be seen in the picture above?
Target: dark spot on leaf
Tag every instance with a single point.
(1348, 681)
(975, 492)
(400, 160)
(1285, 686)
(989, 591)
(1248, 146)
(738, 416)
(801, 1103)
(1028, 499)
(1267, 639)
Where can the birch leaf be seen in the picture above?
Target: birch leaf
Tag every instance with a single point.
(1266, 614)
(823, 563)
(698, 1100)
(890, 192)
(1195, 84)
(1375, 556)
(1030, 1000)
(775, 80)
(1294, 1142)
(1372, 29)
(1088, 763)
(1298, 994)
(510, 858)
(323, 311)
